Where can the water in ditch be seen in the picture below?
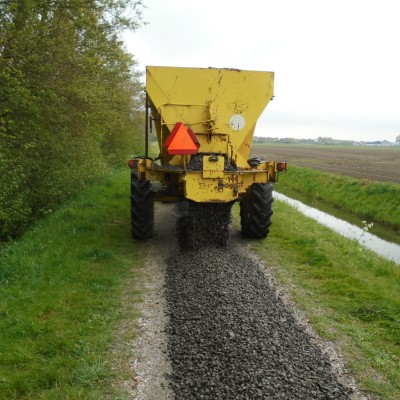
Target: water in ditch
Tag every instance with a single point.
(387, 246)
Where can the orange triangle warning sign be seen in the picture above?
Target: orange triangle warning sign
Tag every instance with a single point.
(182, 140)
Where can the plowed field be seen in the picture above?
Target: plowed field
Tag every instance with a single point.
(377, 164)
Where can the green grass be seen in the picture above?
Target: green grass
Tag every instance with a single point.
(373, 201)
(62, 288)
(350, 295)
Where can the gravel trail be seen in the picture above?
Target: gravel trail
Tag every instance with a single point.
(231, 338)
(230, 335)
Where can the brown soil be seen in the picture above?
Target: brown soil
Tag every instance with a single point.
(377, 164)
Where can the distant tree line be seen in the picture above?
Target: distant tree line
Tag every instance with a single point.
(319, 140)
(324, 141)
(69, 101)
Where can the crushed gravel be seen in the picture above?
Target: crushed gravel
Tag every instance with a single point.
(198, 222)
(231, 337)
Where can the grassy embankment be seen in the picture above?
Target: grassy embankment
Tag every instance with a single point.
(349, 294)
(373, 201)
(64, 293)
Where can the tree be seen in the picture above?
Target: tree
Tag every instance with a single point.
(68, 100)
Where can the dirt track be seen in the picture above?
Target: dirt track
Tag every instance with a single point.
(377, 164)
(229, 333)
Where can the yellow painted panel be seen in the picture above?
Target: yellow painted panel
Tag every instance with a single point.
(213, 167)
(229, 188)
(220, 105)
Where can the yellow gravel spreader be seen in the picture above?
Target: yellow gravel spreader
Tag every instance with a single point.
(205, 120)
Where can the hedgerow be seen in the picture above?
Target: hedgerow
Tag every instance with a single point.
(69, 102)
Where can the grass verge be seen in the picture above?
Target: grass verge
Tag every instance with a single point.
(376, 201)
(349, 294)
(62, 289)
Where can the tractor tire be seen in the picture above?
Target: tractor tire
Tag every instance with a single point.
(142, 208)
(256, 211)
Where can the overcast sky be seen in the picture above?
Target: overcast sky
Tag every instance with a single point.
(336, 63)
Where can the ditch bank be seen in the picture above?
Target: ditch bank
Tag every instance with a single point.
(386, 249)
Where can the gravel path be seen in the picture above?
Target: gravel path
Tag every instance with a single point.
(231, 336)
(150, 364)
